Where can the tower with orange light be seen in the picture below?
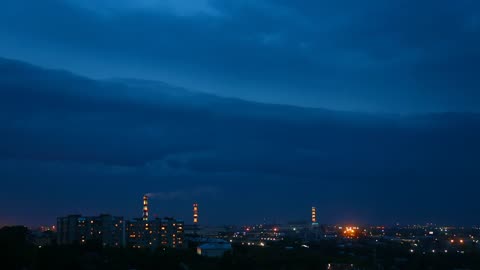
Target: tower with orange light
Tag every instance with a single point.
(145, 208)
(195, 213)
(314, 216)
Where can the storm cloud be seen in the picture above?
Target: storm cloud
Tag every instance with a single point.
(405, 56)
(99, 145)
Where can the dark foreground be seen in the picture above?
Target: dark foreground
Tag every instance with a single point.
(18, 253)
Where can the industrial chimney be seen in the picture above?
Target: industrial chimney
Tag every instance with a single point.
(145, 208)
(195, 213)
(314, 215)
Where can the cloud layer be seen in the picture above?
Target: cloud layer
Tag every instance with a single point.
(98, 146)
(371, 55)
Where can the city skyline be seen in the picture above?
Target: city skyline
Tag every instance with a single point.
(239, 134)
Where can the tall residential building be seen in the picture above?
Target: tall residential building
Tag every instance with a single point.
(155, 233)
(76, 229)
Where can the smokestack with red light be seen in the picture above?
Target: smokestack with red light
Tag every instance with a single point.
(195, 213)
(145, 208)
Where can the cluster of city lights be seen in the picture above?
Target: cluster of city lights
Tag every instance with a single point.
(350, 232)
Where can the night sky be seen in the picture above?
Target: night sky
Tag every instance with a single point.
(256, 109)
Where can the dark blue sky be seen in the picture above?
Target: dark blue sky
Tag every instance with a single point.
(393, 135)
(372, 55)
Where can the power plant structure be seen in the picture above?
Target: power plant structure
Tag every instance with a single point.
(195, 218)
(195, 213)
(314, 216)
(315, 227)
(145, 208)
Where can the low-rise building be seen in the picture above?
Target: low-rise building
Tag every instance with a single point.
(214, 249)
